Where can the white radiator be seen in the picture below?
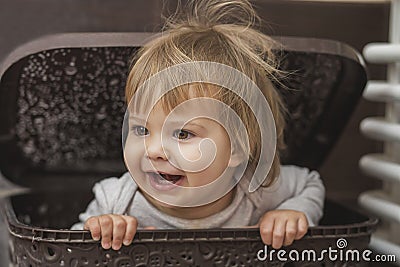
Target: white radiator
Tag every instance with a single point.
(385, 203)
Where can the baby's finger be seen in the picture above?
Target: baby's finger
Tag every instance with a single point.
(131, 227)
(266, 230)
(302, 227)
(106, 224)
(250, 226)
(278, 234)
(93, 225)
(149, 228)
(291, 232)
(119, 229)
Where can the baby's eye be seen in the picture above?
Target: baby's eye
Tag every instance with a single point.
(182, 134)
(140, 130)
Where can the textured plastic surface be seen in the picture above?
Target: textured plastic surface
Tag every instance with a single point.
(35, 221)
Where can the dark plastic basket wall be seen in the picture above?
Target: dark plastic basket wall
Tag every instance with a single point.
(61, 109)
(36, 238)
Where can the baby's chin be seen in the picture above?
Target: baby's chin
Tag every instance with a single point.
(157, 202)
(166, 205)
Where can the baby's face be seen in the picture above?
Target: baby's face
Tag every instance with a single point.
(185, 148)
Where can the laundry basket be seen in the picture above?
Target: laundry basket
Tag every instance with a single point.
(61, 111)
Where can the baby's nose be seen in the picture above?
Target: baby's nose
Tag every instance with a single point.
(154, 148)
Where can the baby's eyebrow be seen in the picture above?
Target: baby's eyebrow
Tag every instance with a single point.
(137, 119)
(195, 124)
(186, 123)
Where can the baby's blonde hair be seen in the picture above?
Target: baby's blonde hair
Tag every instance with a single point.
(216, 31)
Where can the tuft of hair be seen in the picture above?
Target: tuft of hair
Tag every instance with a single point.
(206, 14)
(221, 31)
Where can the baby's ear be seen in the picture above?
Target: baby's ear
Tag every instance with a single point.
(237, 158)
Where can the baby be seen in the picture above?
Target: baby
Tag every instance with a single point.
(202, 136)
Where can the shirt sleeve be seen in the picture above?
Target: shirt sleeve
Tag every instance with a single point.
(112, 196)
(295, 189)
(303, 191)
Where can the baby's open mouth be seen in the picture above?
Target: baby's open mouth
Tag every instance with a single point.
(165, 181)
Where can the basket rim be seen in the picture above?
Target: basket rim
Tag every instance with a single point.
(41, 234)
(137, 39)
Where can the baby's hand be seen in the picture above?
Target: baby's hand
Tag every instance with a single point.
(114, 230)
(282, 227)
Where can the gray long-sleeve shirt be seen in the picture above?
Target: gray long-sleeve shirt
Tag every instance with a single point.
(296, 189)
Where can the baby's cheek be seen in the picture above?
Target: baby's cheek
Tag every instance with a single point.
(194, 155)
(133, 152)
(189, 152)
